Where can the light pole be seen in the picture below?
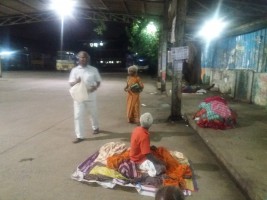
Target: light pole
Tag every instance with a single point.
(61, 33)
(63, 8)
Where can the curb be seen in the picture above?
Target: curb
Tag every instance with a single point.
(241, 183)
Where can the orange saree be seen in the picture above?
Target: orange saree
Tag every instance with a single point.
(133, 100)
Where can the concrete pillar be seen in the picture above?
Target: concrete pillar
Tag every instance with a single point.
(181, 10)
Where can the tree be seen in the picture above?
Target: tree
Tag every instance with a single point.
(100, 27)
(144, 39)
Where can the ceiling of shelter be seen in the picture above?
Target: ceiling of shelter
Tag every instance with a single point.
(238, 12)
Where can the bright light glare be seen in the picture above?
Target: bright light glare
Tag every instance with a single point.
(63, 7)
(212, 29)
(6, 53)
(96, 44)
(151, 28)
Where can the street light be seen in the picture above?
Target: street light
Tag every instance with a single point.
(63, 8)
(151, 28)
(212, 29)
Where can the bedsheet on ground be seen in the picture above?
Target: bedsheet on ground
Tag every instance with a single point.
(111, 166)
(214, 112)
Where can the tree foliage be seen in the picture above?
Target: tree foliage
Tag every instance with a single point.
(142, 41)
(100, 27)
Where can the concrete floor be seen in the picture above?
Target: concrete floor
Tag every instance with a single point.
(37, 156)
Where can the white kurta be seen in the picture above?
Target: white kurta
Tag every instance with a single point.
(90, 76)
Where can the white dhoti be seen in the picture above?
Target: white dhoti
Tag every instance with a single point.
(81, 109)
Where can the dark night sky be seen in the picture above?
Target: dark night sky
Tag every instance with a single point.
(44, 37)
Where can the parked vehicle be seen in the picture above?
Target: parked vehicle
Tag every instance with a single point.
(142, 63)
(65, 60)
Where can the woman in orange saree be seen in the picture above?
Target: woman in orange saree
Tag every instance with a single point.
(134, 87)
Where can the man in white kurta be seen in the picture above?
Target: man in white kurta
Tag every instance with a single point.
(91, 77)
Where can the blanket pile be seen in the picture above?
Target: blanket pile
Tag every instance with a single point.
(111, 166)
(214, 112)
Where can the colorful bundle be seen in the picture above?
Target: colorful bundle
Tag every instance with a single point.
(214, 113)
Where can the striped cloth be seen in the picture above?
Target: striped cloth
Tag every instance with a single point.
(128, 169)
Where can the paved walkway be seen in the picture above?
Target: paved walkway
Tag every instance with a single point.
(242, 150)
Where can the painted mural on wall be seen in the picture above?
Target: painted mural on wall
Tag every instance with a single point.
(248, 51)
(246, 57)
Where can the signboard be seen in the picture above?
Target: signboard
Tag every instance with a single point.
(180, 53)
(178, 66)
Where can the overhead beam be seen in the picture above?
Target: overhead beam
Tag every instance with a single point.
(126, 6)
(26, 19)
(82, 14)
(27, 4)
(246, 28)
(22, 14)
